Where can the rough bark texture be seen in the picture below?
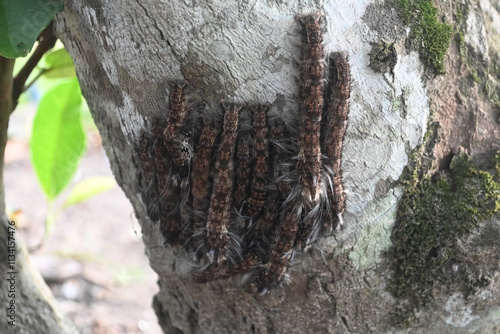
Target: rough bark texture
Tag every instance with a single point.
(125, 53)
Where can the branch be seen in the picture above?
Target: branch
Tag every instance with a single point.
(6, 69)
(46, 41)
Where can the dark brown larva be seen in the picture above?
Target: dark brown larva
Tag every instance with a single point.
(175, 142)
(311, 108)
(279, 157)
(244, 201)
(261, 165)
(336, 124)
(217, 233)
(274, 271)
(262, 234)
(168, 192)
(148, 184)
(202, 165)
(242, 172)
(226, 270)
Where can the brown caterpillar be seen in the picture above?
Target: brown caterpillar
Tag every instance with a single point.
(335, 126)
(249, 198)
(175, 142)
(202, 163)
(226, 270)
(148, 178)
(311, 108)
(217, 232)
(274, 271)
(261, 165)
(242, 172)
(266, 224)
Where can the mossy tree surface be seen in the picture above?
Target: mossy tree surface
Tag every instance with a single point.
(431, 37)
(433, 215)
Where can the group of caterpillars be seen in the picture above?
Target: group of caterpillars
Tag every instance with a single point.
(243, 202)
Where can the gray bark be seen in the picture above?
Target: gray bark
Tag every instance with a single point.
(125, 53)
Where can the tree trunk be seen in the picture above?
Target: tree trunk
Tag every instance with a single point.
(126, 53)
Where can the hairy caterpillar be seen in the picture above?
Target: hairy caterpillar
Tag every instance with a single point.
(217, 233)
(249, 196)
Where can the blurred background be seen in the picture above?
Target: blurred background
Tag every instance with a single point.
(83, 238)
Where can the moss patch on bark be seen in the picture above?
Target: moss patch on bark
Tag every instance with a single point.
(431, 37)
(433, 215)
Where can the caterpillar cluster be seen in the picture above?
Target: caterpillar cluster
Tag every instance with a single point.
(244, 199)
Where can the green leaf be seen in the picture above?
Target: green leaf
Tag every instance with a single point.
(58, 64)
(87, 188)
(21, 21)
(57, 138)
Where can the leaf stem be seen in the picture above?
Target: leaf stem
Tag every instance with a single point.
(42, 72)
(6, 107)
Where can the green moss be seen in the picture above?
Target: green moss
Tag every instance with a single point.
(431, 36)
(496, 163)
(433, 214)
(460, 38)
(459, 13)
